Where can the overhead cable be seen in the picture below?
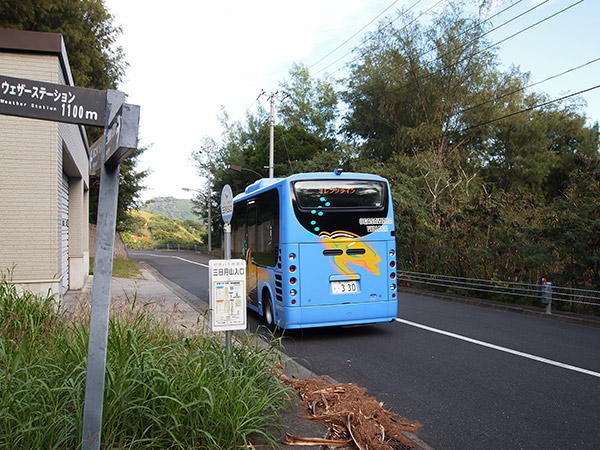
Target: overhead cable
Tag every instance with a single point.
(354, 35)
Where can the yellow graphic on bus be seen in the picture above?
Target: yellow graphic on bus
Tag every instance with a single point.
(350, 249)
(254, 274)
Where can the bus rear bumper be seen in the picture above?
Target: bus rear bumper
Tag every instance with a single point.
(340, 315)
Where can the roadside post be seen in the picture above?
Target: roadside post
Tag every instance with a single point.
(547, 295)
(70, 104)
(117, 143)
(227, 279)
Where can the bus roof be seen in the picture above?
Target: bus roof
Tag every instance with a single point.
(264, 183)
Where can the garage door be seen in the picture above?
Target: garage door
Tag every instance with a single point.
(63, 233)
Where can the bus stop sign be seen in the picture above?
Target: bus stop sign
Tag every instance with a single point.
(227, 295)
(226, 203)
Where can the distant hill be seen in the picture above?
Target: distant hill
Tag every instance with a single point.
(149, 230)
(173, 208)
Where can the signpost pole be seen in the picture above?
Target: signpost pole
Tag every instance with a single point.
(101, 292)
(101, 289)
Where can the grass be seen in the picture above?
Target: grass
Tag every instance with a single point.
(163, 390)
(122, 268)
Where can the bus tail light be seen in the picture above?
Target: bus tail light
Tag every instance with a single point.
(292, 280)
(292, 256)
(393, 286)
(293, 294)
(393, 275)
(292, 268)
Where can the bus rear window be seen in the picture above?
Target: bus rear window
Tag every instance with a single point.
(339, 194)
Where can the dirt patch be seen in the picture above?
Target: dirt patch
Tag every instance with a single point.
(355, 420)
(120, 250)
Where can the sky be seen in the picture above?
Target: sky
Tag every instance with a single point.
(190, 59)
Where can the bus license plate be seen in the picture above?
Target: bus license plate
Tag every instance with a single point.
(344, 287)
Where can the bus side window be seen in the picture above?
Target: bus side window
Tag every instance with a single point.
(238, 230)
(267, 228)
(264, 238)
(252, 229)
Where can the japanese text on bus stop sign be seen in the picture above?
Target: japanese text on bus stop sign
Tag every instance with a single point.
(227, 278)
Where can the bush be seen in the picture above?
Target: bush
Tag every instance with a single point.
(162, 391)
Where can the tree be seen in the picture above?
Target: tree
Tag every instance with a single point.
(538, 150)
(305, 138)
(207, 199)
(88, 31)
(410, 88)
(572, 226)
(475, 163)
(130, 184)
(311, 104)
(410, 93)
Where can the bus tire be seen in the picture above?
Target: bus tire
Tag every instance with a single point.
(268, 316)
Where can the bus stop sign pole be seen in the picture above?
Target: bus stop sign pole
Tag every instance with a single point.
(227, 279)
(227, 213)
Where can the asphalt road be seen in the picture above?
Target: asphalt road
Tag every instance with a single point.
(476, 378)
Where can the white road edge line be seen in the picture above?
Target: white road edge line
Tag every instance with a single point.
(502, 349)
(177, 257)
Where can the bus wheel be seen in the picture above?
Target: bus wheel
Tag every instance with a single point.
(268, 311)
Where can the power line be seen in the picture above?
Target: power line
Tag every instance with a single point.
(483, 50)
(535, 24)
(424, 78)
(372, 36)
(521, 111)
(552, 77)
(460, 61)
(414, 20)
(531, 108)
(347, 40)
(363, 28)
(354, 35)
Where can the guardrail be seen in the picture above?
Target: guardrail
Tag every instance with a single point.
(514, 292)
(140, 246)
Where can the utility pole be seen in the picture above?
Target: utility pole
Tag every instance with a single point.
(205, 150)
(272, 138)
(272, 97)
(209, 225)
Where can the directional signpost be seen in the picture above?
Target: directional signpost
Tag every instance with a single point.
(48, 101)
(61, 103)
(119, 142)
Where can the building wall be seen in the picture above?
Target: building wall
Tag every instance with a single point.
(29, 183)
(36, 158)
(78, 215)
(75, 164)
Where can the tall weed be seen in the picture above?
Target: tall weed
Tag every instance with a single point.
(163, 390)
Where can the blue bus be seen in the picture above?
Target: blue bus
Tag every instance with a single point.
(319, 247)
